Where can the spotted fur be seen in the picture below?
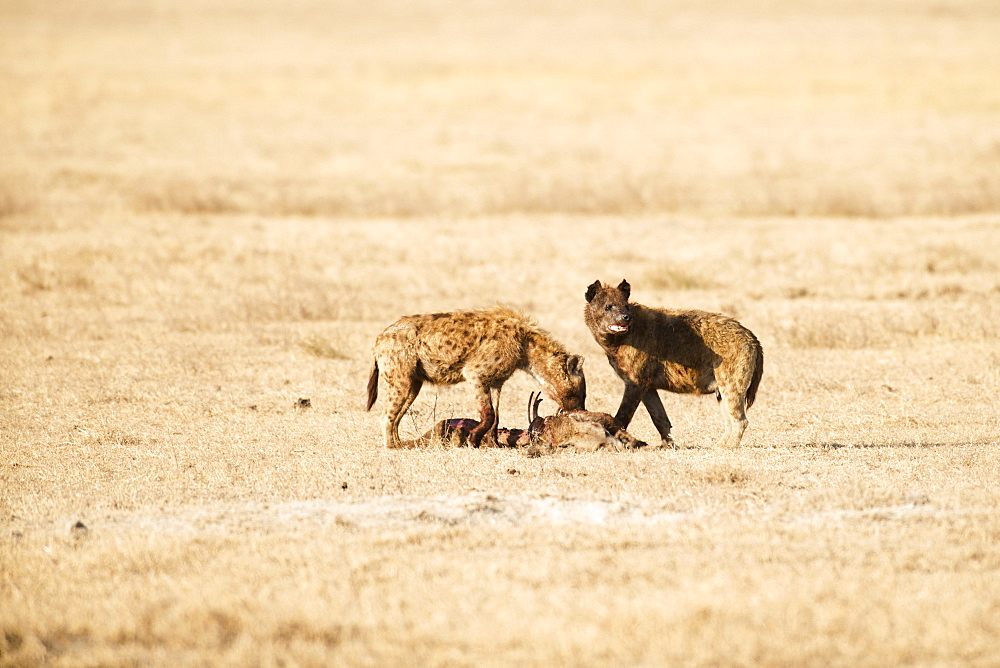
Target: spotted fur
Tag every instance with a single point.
(484, 347)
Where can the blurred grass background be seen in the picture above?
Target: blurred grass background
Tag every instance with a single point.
(436, 108)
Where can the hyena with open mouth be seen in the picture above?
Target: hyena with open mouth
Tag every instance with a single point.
(688, 352)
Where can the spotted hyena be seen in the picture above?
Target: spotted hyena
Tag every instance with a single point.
(484, 347)
(689, 352)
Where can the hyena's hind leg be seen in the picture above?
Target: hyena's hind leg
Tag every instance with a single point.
(734, 409)
(401, 391)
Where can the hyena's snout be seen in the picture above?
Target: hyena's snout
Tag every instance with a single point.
(575, 401)
(618, 318)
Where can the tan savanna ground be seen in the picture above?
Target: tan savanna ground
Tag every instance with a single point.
(209, 209)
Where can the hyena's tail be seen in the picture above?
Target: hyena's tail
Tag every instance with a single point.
(758, 371)
(372, 385)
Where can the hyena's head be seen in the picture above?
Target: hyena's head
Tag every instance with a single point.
(566, 383)
(607, 312)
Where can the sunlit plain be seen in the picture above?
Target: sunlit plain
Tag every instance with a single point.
(209, 210)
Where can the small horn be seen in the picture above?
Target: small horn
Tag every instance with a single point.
(534, 408)
(531, 402)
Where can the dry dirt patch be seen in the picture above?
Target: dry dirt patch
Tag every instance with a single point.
(472, 511)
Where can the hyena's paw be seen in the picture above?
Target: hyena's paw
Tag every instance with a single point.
(670, 444)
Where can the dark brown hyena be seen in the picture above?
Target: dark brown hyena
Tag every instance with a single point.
(689, 352)
(484, 347)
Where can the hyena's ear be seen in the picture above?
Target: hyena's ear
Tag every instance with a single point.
(574, 365)
(592, 290)
(625, 288)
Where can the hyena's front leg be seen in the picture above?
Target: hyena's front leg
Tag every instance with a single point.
(651, 400)
(487, 418)
(630, 402)
(495, 401)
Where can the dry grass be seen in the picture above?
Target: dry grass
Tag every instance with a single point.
(151, 389)
(207, 212)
